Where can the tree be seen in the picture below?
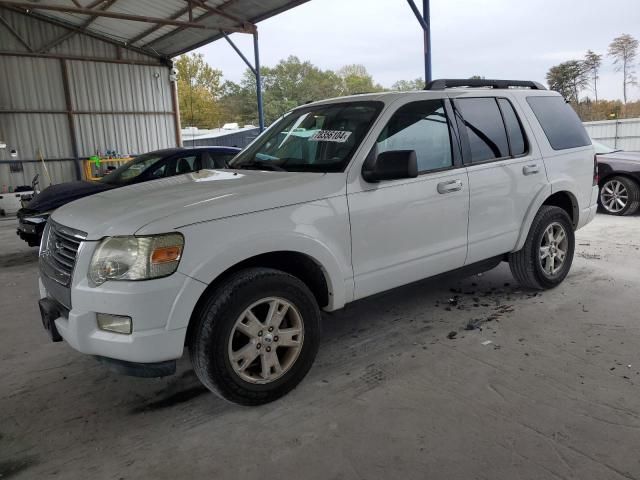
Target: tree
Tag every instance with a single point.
(568, 78)
(624, 50)
(355, 79)
(292, 83)
(408, 85)
(289, 84)
(238, 101)
(592, 62)
(199, 91)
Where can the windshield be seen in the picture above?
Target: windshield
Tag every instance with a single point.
(129, 171)
(602, 149)
(319, 139)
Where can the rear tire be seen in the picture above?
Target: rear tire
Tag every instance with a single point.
(619, 196)
(256, 336)
(545, 259)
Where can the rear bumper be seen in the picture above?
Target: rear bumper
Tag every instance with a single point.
(589, 213)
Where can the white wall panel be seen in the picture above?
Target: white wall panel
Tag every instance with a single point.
(30, 84)
(622, 134)
(127, 134)
(59, 171)
(119, 88)
(29, 132)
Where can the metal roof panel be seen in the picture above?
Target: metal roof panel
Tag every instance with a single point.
(162, 40)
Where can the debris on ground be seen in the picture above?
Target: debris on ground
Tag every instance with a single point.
(474, 324)
(589, 256)
(486, 342)
(452, 334)
(505, 309)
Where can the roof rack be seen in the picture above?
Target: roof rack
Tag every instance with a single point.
(444, 83)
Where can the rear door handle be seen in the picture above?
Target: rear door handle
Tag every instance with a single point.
(530, 169)
(450, 186)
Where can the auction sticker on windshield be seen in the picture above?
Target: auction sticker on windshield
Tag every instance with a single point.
(339, 136)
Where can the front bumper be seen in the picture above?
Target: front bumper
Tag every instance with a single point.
(30, 232)
(154, 305)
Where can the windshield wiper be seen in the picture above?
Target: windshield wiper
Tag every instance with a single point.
(261, 165)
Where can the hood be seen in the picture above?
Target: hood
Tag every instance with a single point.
(57, 195)
(633, 157)
(164, 205)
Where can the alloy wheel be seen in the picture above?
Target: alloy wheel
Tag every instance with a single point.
(614, 196)
(553, 249)
(266, 340)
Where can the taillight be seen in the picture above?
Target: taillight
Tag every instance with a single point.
(596, 178)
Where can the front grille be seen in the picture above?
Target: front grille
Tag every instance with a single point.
(58, 251)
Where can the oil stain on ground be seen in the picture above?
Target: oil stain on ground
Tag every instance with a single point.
(9, 468)
(174, 399)
(18, 259)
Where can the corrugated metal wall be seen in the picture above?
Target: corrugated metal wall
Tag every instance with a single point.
(127, 107)
(622, 134)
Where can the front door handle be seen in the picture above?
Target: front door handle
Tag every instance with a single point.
(530, 169)
(450, 186)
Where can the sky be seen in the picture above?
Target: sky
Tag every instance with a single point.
(514, 39)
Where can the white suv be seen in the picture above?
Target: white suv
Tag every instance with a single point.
(336, 201)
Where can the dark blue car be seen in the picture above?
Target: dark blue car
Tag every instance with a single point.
(149, 166)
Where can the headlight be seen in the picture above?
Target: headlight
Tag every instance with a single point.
(136, 258)
(37, 219)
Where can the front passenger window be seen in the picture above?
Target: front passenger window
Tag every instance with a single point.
(423, 127)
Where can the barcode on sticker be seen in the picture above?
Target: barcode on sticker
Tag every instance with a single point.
(339, 136)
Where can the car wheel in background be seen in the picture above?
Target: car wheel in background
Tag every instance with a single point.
(620, 196)
(545, 259)
(256, 336)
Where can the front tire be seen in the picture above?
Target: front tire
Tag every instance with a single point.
(619, 196)
(256, 336)
(545, 259)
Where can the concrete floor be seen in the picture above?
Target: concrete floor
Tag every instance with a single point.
(553, 396)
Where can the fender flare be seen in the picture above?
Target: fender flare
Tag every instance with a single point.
(544, 193)
(339, 286)
(541, 197)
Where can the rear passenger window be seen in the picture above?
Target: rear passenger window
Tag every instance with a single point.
(485, 129)
(423, 127)
(514, 128)
(187, 164)
(560, 123)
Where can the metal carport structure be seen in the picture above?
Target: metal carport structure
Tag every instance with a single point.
(81, 75)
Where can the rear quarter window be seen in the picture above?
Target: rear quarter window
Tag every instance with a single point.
(559, 122)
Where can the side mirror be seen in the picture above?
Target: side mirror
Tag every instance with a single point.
(391, 165)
